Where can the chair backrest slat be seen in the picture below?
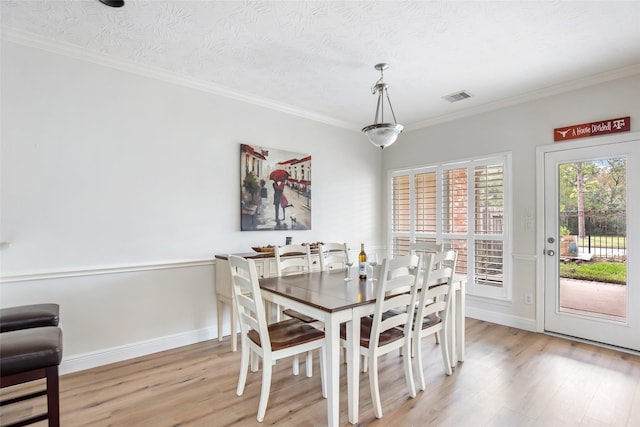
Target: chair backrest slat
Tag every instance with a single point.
(333, 255)
(425, 247)
(298, 263)
(402, 265)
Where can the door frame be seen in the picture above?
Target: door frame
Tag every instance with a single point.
(540, 206)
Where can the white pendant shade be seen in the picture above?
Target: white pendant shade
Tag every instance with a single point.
(383, 134)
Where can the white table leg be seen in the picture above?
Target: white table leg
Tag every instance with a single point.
(353, 367)
(452, 328)
(332, 334)
(460, 323)
(219, 307)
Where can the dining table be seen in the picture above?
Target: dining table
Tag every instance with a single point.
(328, 297)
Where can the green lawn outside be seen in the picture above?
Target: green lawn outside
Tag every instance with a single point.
(609, 272)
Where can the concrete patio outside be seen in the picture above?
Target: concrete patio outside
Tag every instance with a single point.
(603, 300)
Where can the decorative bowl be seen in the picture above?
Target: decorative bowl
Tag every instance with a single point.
(269, 248)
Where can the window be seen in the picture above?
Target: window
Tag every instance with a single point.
(464, 206)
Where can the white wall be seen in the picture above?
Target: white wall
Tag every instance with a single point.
(118, 189)
(519, 130)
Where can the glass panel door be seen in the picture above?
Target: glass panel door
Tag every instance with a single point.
(589, 284)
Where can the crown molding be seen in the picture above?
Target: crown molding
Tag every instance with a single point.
(620, 73)
(32, 40)
(77, 52)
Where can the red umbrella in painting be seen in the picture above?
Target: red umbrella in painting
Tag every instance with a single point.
(279, 175)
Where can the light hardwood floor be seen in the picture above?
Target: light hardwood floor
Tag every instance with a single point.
(510, 378)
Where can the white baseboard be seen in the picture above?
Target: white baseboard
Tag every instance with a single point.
(501, 319)
(90, 360)
(84, 361)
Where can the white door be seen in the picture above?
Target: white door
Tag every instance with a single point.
(593, 241)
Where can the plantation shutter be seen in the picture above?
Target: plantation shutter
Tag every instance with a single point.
(401, 213)
(461, 205)
(489, 224)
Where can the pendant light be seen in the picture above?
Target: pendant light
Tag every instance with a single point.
(382, 134)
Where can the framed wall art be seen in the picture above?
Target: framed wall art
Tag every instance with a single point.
(275, 189)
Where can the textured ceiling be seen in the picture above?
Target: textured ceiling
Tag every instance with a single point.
(316, 58)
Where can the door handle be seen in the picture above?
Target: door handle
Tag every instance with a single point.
(549, 252)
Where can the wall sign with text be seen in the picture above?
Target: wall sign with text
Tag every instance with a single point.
(622, 124)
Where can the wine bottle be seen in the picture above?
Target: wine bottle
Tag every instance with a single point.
(362, 263)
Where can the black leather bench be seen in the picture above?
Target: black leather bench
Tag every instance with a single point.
(32, 354)
(29, 316)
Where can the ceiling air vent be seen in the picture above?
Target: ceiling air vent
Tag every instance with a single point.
(458, 96)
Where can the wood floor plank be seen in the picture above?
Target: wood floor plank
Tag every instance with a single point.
(510, 378)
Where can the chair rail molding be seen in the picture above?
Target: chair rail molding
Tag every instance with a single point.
(25, 277)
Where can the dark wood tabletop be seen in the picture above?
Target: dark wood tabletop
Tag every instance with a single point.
(327, 291)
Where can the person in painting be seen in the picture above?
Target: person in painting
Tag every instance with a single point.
(285, 204)
(278, 188)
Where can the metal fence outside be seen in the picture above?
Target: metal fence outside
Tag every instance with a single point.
(605, 233)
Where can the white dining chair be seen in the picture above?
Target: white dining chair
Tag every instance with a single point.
(427, 247)
(412, 267)
(295, 259)
(333, 256)
(434, 306)
(270, 342)
(390, 326)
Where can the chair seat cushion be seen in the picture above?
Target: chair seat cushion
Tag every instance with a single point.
(288, 333)
(29, 349)
(366, 324)
(430, 320)
(29, 316)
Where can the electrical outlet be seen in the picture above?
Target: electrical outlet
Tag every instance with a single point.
(528, 299)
